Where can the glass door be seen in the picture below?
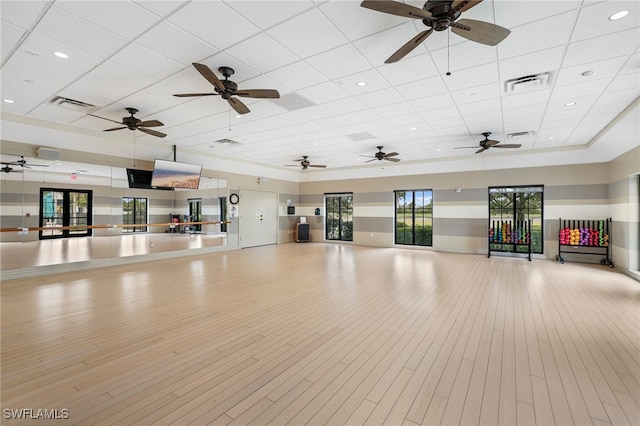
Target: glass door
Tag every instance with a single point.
(64, 213)
(195, 213)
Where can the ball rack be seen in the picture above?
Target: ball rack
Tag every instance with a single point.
(585, 237)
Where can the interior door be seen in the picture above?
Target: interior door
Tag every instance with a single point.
(258, 220)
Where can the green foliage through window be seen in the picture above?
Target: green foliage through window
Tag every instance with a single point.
(414, 217)
(339, 218)
(516, 204)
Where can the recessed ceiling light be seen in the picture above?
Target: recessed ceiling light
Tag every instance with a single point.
(414, 128)
(587, 73)
(551, 138)
(570, 104)
(618, 15)
(238, 116)
(361, 83)
(61, 55)
(9, 101)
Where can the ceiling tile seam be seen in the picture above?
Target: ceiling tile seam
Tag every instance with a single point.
(27, 32)
(555, 77)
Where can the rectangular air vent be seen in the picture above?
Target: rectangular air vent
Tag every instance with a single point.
(227, 141)
(292, 101)
(516, 135)
(528, 82)
(73, 104)
(363, 136)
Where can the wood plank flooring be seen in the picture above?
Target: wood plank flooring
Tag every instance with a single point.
(324, 334)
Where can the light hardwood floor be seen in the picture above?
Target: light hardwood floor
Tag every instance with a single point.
(325, 334)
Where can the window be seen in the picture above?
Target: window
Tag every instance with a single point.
(516, 204)
(414, 217)
(65, 213)
(134, 212)
(339, 218)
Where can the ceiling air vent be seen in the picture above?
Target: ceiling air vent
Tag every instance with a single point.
(63, 102)
(227, 141)
(292, 101)
(516, 135)
(363, 136)
(528, 82)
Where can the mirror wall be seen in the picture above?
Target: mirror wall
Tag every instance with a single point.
(54, 213)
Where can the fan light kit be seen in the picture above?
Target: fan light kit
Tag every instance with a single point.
(227, 89)
(439, 15)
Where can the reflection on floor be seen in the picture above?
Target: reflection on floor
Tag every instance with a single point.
(17, 255)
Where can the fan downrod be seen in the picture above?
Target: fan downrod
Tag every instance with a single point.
(132, 111)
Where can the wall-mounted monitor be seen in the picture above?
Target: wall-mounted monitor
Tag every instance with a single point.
(176, 175)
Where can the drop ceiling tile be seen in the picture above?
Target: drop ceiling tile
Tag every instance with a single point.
(378, 47)
(481, 106)
(428, 87)
(297, 76)
(268, 14)
(463, 56)
(323, 92)
(594, 19)
(533, 63)
(95, 91)
(277, 57)
(600, 69)
(170, 41)
(409, 69)
(626, 81)
(344, 13)
(213, 22)
(350, 60)
(511, 14)
(69, 29)
(476, 94)
(320, 35)
(344, 106)
(161, 7)
(526, 98)
(380, 98)
(127, 20)
(393, 110)
(373, 79)
(525, 110)
(471, 77)
(10, 35)
(22, 13)
(429, 103)
(56, 114)
(536, 36)
(147, 61)
(33, 69)
(603, 47)
(45, 48)
(440, 114)
(633, 64)
(121, 74)
(575, 92)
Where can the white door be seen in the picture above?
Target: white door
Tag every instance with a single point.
(258, 219)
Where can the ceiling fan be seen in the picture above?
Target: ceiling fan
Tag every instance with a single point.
(228, 89)
(487, 143)
(383, 156)
(18, 163)
(439, 15)
(304, 162)
(133, 123)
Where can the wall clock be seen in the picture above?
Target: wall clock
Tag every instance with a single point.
(233, 198)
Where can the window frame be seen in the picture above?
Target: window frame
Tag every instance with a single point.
(65, 217)
(345, 228)
(135, 215)
(415, 237)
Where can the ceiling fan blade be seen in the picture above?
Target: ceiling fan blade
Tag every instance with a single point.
(463, 5)
(481, 32)
(152, 132)
(258, 93)
(395, 160)
(115, 128)
(465, 147)
(396, 8)
(409, 46)
(490, 143)
(184, 95)
(317, 165)
(373, 159)
(150, 123)
(210, 76)
(238, 106)
(508, 145)
(391, 154)
(481, 150)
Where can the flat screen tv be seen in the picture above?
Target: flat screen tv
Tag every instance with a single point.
(176, 175)
(142, 179)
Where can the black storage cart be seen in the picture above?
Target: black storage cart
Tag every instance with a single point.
(586, 238)
(506, 238)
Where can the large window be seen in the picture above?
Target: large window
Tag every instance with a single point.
(339, 218)
(134, 212)
(64, 213)
(414, 217)
(515, 205)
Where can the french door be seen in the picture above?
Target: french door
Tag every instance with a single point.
(65, 213)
